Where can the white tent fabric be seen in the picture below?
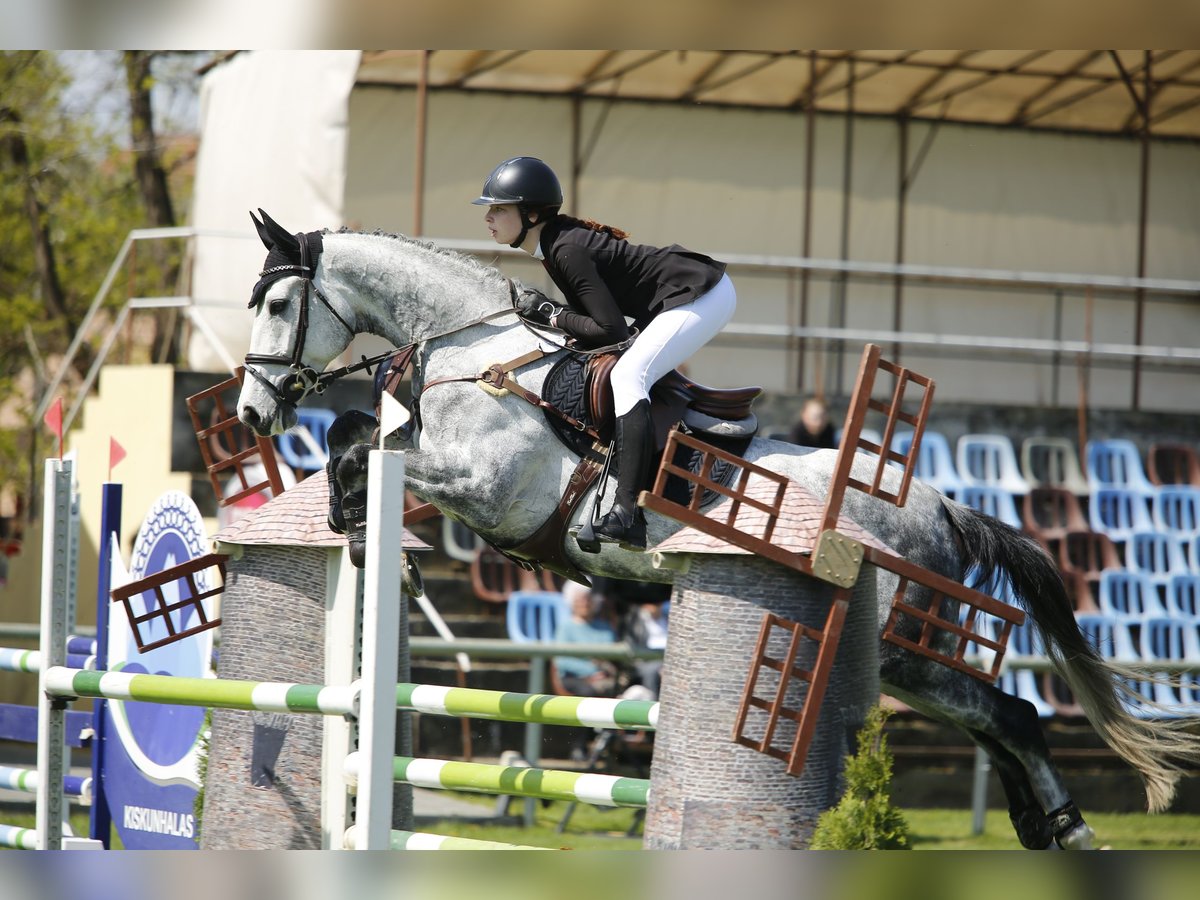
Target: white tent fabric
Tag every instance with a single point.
(273, 128)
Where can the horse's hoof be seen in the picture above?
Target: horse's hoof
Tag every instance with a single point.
(358, 550)
(1078, 838)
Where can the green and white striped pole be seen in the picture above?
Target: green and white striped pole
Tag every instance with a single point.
(517, 781)
(546, 709)
(263, 696)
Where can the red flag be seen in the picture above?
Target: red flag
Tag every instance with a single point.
(53, 419)
(116, 453)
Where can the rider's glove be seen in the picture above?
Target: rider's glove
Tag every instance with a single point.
(536, 307)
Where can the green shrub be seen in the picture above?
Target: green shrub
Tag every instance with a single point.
(864, 818)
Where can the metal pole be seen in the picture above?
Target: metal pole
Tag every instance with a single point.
(983, 765)
(901, 211)
(576, 162)
(533, 730)
(1143, 214)
(1056, 359)
(806, 233)
(839, 307)
(56, 565)
(419, 173)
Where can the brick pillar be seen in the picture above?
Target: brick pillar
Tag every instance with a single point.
(263, 786)
(708, 792)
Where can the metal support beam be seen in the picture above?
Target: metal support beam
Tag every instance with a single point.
(1143, 216)
(421, 135)
(810, 125)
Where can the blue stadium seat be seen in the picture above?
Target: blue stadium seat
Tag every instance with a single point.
(995, 501)
(935, 463)
(1111, 637)
(1175, 508)
(1023, 641)
(990, 460)
(459, 541)
(1129, 595)
(293, 449)
(1183, 597)
(532, 616)
(1116, 463)
(1119, 513)
(1172, 640)
(1156, 555)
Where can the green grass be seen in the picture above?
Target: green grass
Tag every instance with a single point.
(597, 828)
(80, 823)
(593, 828)
(950, 829)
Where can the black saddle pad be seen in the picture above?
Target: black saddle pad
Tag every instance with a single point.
(564, 388)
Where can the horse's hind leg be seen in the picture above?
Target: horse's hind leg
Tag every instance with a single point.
(1024, 811)
(1008, 729)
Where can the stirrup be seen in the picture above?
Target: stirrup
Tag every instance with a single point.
(628, 535)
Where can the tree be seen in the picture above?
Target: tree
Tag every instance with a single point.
(66, 203)
(152, 184)
(865, 818)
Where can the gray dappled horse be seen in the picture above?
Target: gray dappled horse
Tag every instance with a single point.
(493, 463)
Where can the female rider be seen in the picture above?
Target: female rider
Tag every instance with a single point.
(677, 299)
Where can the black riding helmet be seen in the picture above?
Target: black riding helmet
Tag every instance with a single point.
(526, 181)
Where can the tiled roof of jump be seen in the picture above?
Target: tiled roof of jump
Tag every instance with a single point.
(796, 529)
(296, 517)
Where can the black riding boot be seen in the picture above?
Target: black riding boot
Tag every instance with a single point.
(625, 524)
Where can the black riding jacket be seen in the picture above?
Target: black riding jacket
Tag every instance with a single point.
(605, 280)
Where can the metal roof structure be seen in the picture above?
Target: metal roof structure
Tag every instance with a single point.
(1116, 92)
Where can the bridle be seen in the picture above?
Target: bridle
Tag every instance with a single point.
(302, 379)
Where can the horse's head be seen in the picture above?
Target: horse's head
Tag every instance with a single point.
(297, 330)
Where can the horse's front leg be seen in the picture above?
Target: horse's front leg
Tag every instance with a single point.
(350, 428)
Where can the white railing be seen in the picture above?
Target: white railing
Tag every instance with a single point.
(734, 334)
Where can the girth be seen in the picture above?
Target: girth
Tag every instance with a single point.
(545, 547)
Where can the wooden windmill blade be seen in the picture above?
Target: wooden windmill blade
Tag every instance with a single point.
(765, 513)
(228, 446)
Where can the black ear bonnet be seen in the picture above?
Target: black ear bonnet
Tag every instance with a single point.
(284, 255)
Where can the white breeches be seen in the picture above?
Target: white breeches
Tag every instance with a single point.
(668, 341)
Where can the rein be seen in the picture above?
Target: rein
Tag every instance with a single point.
(307, 380)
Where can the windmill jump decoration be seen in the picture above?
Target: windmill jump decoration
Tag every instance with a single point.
(766, 514)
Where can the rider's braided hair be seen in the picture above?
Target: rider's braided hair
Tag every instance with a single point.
(618, 233)
(551, 212)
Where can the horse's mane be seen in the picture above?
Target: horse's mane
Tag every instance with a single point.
(467, 262)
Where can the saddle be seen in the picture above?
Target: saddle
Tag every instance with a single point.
(675, 398)
(578, 403)
(581, 386)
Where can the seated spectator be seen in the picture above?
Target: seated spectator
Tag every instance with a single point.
(586, 624)
(813, 428)
(647, 627)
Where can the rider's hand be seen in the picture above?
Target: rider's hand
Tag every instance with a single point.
(536, 307)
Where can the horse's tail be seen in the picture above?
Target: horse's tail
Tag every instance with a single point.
(1157, 749)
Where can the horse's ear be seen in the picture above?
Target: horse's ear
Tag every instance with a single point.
(263, 234)
(279, 236)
